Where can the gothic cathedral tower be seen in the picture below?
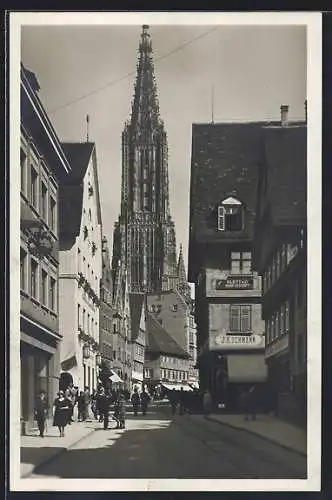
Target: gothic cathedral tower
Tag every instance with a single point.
(144, 236)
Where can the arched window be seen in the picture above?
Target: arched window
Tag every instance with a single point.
(230, 215)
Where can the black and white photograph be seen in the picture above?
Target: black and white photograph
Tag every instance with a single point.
(165, 227)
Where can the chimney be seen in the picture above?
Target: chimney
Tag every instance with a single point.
(305, 111)
(284, 115)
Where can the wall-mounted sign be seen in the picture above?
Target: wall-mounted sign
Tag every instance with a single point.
(224, 341)
(234, 283)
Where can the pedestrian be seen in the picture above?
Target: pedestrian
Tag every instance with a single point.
(61, 411)
(135, 399)
(103, 402)
(181, 401)
(41, 409)
(68, 396)
(94, 407)
(207, 402)
(86, 403)
(145, 398)
(250, 404)
(173, 401)
(80, 406)
(119, 411)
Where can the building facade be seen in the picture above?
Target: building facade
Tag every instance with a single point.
(106, 308)
(281, 259)
(144, 235)
(230, 329)
(43, 168)
(166, 362)
(137, 337)
(175, 315)
(122, 349)
(80, 268)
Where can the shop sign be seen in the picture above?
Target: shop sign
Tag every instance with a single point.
(235, 283)
(277, 346)
(239, 341)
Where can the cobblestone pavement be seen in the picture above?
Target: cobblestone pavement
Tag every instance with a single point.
(159, 446)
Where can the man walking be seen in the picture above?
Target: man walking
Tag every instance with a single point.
(41, 412)
(135, 401)
(250, 403)
(145, 398)
(103, 402)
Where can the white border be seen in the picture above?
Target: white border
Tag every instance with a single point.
(313, 21)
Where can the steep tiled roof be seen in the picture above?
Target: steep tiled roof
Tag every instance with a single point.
(159, 340)
(224, 162)
(285, 152)
(71, 193)
(136, 301)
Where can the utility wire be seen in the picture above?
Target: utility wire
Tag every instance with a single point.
(124, 77)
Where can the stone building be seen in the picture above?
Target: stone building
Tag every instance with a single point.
(144, 235)
(43, 168)
(281, 258)
(166, 362)
(80, 267)
(106, 308)
(137, 337)
(230, 330)
(175, 315)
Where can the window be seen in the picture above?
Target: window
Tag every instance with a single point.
(230, 215)
(175, 307)
(79, 260)
(23, 161)
(282, 319)
(277, 324)
(268, 331)
(240, 318)
(44, 201)
(78, 315)
(272, 327)
(283, 259)
(23, 269)
(278, 265)
(44, 287)
(33, 278)
(34, 187)
(51, 302)
(88, 323)
(241, 262)
(52, 220)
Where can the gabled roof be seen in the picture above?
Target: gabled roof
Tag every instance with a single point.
(71, 193)
(136, 301)
(160, 341)
(285, 155)
(223, 164)
(78, 154)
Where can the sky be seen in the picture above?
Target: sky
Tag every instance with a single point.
(91, 70)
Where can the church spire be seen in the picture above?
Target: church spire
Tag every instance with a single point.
(183, 286)
(145, 109)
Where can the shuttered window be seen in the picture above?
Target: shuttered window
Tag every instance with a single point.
(221, 218)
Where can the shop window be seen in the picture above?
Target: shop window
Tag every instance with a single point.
(230, 215)
(241, 263)
(33, 278)
(34, 187)
(240, 318)
(44, 287)
(23, 270)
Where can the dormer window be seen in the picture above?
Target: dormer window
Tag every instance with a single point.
(230, 215)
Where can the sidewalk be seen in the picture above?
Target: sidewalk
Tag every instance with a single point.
(36, 450)
(268, 427)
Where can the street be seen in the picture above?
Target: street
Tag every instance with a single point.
(159, 446)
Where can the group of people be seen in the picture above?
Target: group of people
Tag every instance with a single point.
(99, 401)
(183, 401)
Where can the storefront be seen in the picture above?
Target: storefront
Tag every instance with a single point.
(39, 371)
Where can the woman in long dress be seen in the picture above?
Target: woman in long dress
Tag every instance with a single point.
(61, 412)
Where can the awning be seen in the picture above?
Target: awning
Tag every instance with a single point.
(194, 385)
(248, 368)
(177, 387)
(115, 378)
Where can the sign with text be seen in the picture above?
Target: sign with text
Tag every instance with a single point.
(224, 341)
(235, 283)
